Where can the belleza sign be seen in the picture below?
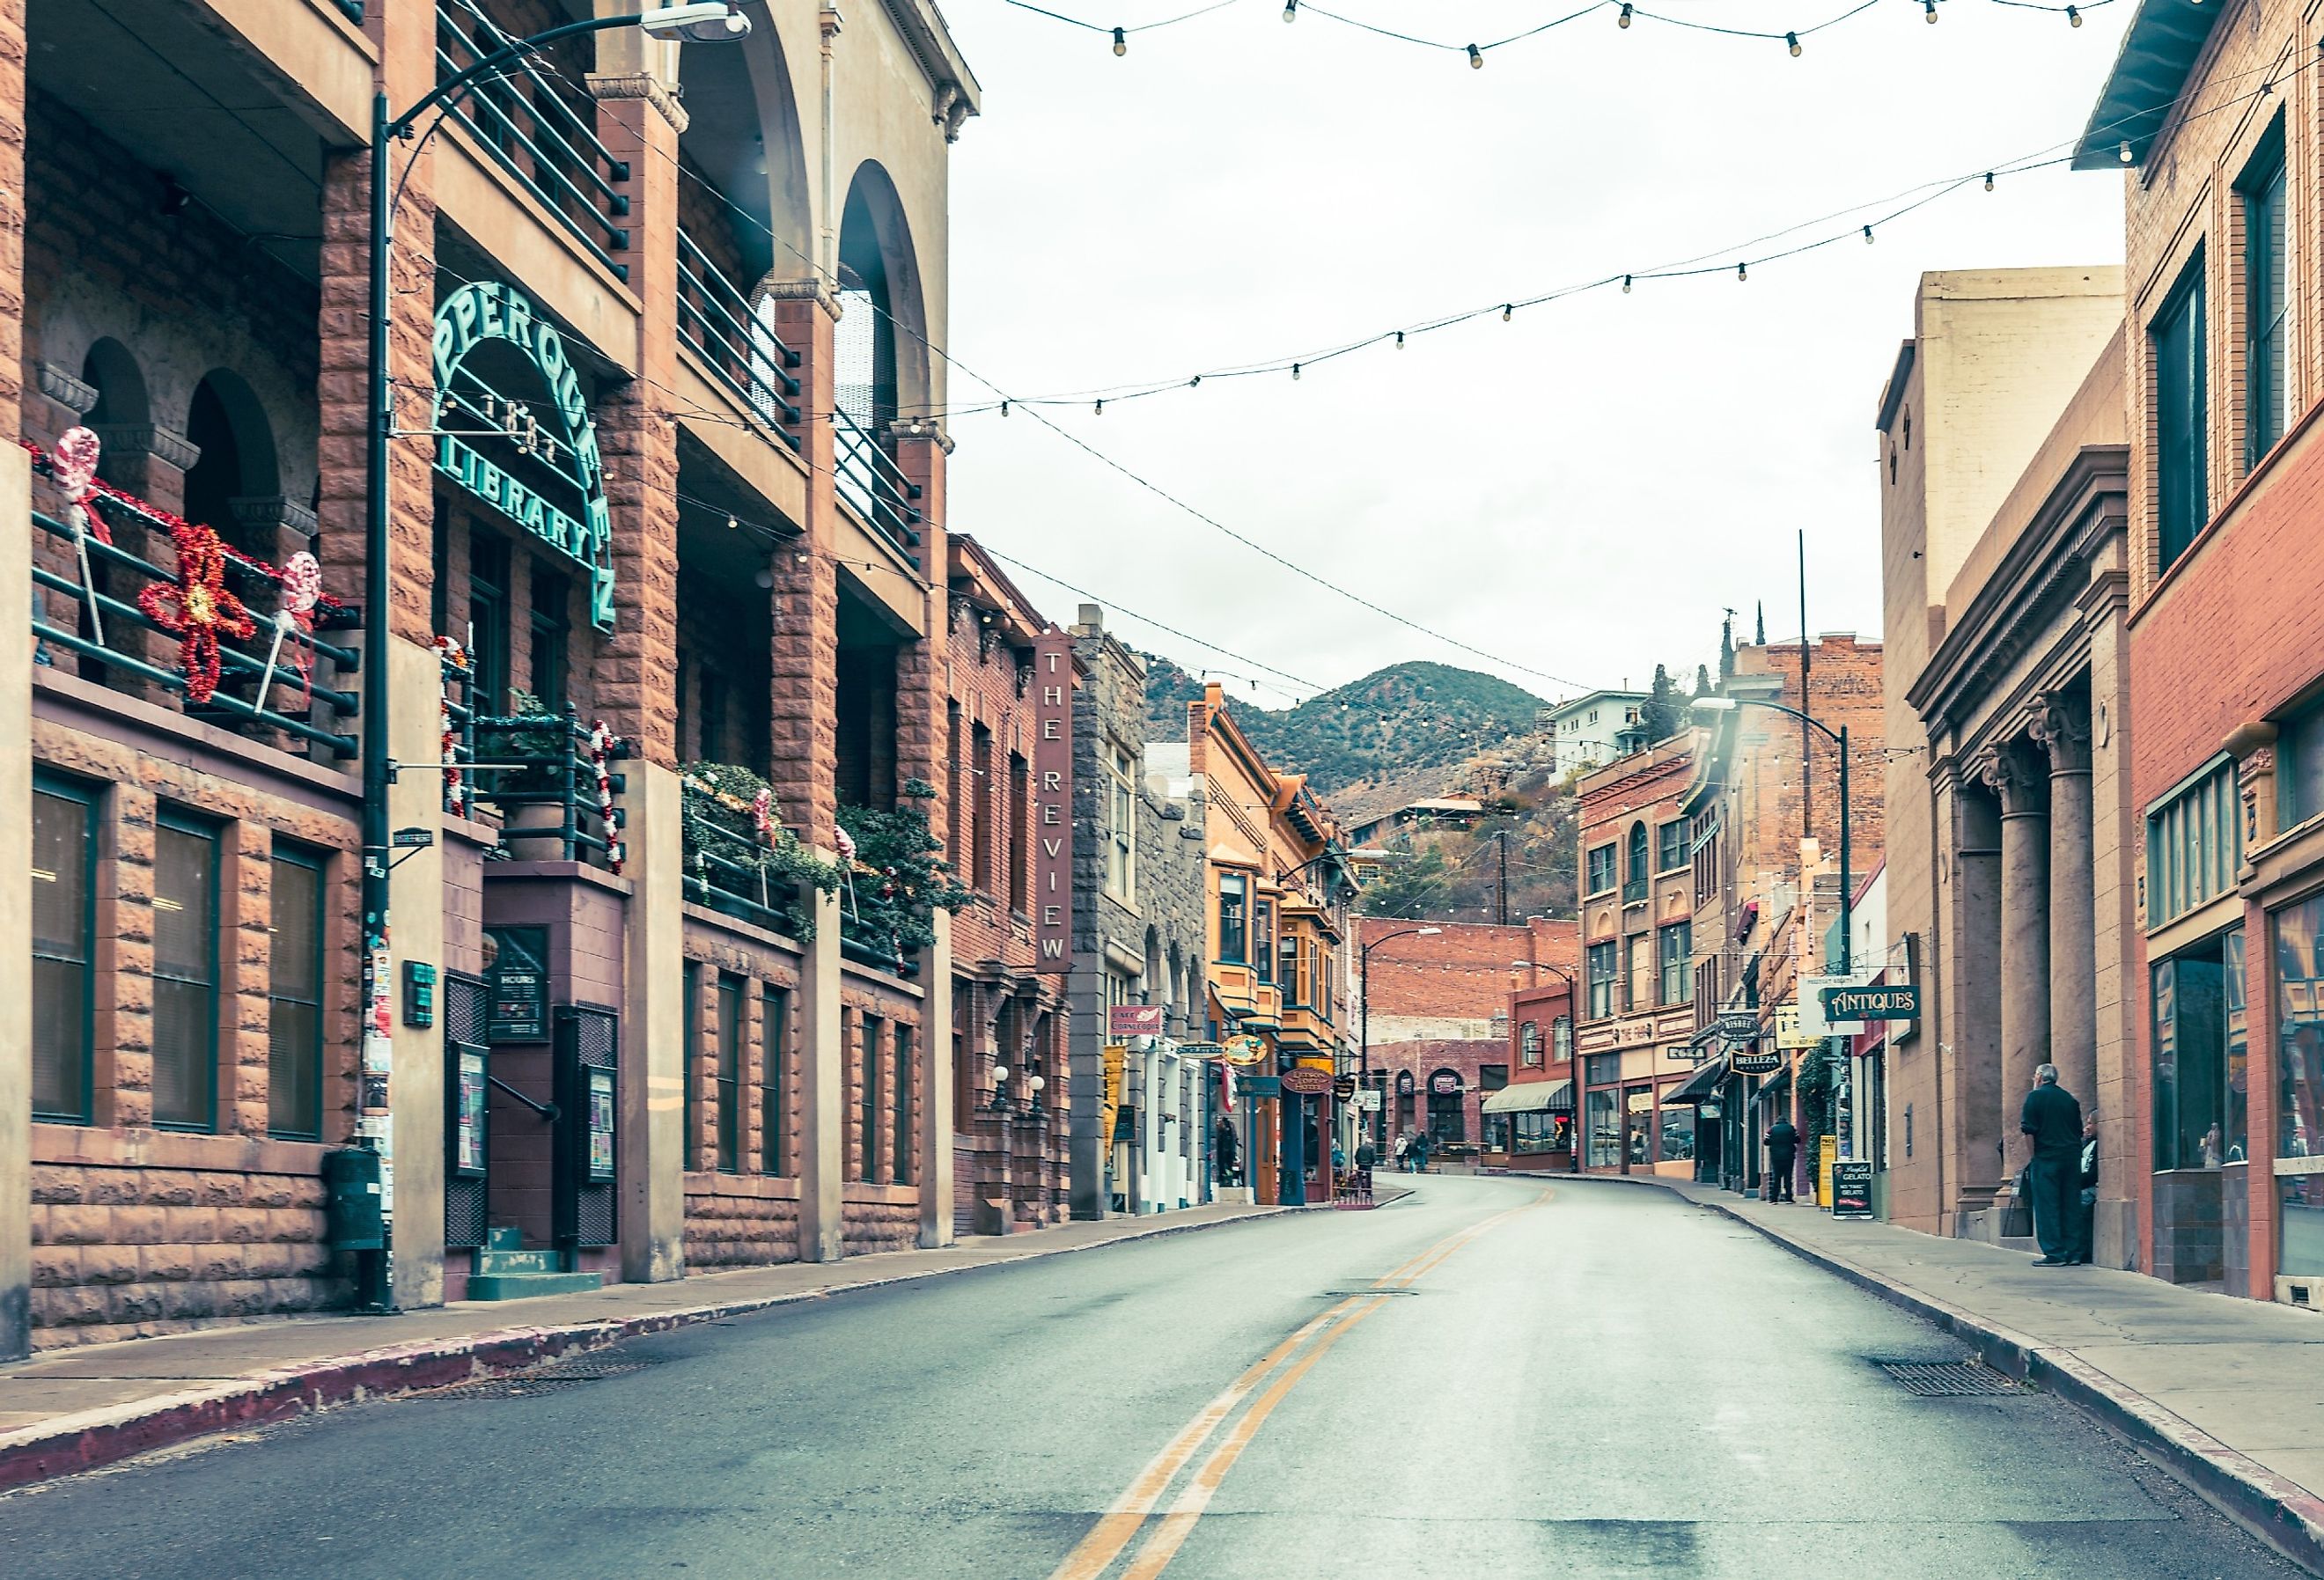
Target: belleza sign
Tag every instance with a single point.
(1053, 803)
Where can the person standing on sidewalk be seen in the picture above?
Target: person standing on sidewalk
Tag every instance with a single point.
(2085, 1218)
(1783, 1147)
(2053, 1119)
(1420, 1153)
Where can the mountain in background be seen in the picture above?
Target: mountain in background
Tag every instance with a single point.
(1406, 723)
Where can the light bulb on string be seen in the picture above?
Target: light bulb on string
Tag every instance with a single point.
(1399, 339)
(1290, 10)
(1792, 43)
(1626, 285)
(2126, 155)
(1121, 37)
(1623, 19)
(1101, 407)
(2073, 17)
(1867, 236)
(1742, 273)
(1506, 310)
(1989, 181)
(1294, 371)
(1476, 59)
(1194, 382)
(1004, 407)
(1929, 12)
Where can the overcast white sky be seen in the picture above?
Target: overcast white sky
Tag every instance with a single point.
(1582, 490)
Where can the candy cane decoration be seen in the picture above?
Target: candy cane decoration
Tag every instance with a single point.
(449, 654)
(72, 466)
(302, 585)
(601, 744)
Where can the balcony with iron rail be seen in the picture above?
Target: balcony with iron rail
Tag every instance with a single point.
(737, 341)
(735, 867)
(546, 777)
(262, 623)
(524, 117)
(871, 484)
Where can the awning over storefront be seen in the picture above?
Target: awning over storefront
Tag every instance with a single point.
(1699, 1087)
(1533, 1097)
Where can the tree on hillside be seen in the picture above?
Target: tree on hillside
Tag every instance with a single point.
(1410, 888)
(1663, 712)
(1702, 679)
(1727, 647)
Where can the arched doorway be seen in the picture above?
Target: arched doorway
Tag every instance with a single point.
(1448, 1117)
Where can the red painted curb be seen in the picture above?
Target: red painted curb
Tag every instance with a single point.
(93, 1440)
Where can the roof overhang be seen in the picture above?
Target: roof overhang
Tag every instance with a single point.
(1531, 1097)
(2163, 41)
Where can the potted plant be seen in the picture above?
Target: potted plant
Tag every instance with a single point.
(531, 794)
(898, 878)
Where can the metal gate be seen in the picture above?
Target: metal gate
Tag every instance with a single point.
(588, 1039)
(467, 1076)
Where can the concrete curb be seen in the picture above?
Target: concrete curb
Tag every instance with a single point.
(2287, 1516)
(92, 1439)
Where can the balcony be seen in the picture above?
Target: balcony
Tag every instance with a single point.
(1633, 891)
(267, 646)
(524, 116)
(736, 859)
(874, 486)
(547, 779)
(737, 342)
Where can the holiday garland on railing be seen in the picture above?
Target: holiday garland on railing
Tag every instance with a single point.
(731, 815)
(603, 745)
(450, 656)
(911, 879)
(200, 607)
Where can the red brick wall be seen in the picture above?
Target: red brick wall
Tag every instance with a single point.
(1460, 971)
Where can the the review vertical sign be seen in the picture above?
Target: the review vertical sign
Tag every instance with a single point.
(1053, 803)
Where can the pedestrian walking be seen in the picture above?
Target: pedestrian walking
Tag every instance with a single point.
(2085, 1221)
(1783, 1142)
(1223, 1146)
(1402, 1152)
(2053, 1121)
(1420, 1153)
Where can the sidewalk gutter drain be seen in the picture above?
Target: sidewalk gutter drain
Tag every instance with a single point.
(1950, 1378)
(552, 1377)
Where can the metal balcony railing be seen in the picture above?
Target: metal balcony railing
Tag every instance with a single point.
(105, 640)
(869, 480)
(728, 871)
(737, 341)
(523, 116)
(540, 771)
(1633, 891)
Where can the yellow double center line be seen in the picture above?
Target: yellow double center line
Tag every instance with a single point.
(1128, 1514)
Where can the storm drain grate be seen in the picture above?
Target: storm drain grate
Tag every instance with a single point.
(1343, 1294)
(1950, 1378)
(553, 1378)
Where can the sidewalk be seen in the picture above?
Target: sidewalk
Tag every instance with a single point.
(2230, 1392)
(76, 1409)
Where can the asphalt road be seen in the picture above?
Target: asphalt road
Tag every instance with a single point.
(1476, 1381)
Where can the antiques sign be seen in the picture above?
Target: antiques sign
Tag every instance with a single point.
(1053, 803)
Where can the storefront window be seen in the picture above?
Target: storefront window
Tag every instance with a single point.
(2300, 1074)
(1447, 1107)
(2191, 1060)
(1231, 922)
(1638, 1125)
(1678, 1135)
(1605, 1134)
(1544, 1132)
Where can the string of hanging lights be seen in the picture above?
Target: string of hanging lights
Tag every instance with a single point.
(1626, 12)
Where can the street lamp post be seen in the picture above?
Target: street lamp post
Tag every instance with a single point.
(1364, 1010)
(695, 21)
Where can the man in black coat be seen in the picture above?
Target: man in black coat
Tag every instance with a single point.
(2053, 1119)
(1782, 1148)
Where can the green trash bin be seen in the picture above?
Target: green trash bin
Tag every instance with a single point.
(352, 1214)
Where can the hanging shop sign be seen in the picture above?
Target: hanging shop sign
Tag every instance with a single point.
(499, 367)
(1200, 1050)
(1245, 1049)
(1307, 1080)
(1343, 1087)
(1133, 1019)
(1788, 1032)
(1738, 1025)
(1053, 803)
(1752, 1060)
(1902, 1002)
(1109, 1101)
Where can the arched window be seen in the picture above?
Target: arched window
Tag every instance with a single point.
(1448, 1114)
(1641, 863)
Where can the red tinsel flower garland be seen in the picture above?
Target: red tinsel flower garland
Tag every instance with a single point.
(199, 609)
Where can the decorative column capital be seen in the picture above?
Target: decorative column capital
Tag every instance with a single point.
(2009, 770)
(644, 85)
(2063, 729)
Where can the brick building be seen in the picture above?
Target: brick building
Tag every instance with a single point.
(665, 524)
(1431, 1017)
(1631, 1037)
(1277, 887)
(2223, 372)
(1529, 1122)
(1764, 883)
(1139, 938)
(1011, 1136)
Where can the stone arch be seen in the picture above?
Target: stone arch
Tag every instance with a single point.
(1158, 986)
(879, 279)
(113, 370)
(227, 423)
(742, 134)
(1641, 857)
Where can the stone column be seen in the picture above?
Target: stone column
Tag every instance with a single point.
(1966, 954)
(823, 1084)
(935, 1120)
(652, 1126)
(2062, 727)
(2116, 835)
(2013, 773)
(16, 804)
